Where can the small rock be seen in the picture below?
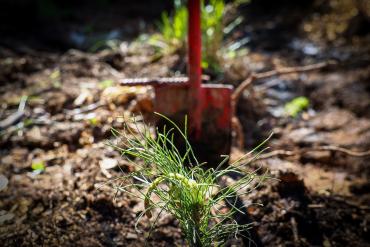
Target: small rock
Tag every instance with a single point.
(108, 163)
(131, 236)
(82, 98)
(3, 182)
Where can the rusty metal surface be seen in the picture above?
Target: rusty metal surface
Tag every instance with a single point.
(170, 100)
(218, 99)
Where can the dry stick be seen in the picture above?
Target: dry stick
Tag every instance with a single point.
(276, 153)
(252, 77)
(293, 223)
(238, 135)
(346, 151)
(239, 90)
(16, 116)
(325, 148)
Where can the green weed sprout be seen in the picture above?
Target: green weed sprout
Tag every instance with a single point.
(178, 184)
(213, 35)
(172, 30)
(296, 106)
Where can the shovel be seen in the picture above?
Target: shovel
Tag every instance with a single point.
(208, 106)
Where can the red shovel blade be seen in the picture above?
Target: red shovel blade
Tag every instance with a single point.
(214, 138)
(216, 113)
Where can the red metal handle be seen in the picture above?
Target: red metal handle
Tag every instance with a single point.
(194, 44)
(194, 63)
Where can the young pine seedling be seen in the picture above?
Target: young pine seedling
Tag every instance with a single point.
(177, 183)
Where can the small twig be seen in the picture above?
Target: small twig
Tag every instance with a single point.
(22, 103)
(16, 116)
(113, 71)
(315, 206)
(238, 132)
(275, 153)
(10, 120)
(84, 109)
(293, 222)
(252, 77)
(239, 90)
(326, 148)
(346, 151)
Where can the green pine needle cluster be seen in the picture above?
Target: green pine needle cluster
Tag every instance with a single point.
(178, 184)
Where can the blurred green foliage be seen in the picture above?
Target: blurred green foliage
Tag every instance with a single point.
(105, 84)
(173, 31)
(38, 166)
(213, 33)
(296, 106)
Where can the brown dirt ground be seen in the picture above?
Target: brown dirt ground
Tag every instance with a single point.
(322, 198)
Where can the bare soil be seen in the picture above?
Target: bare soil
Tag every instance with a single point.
(322, 196)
